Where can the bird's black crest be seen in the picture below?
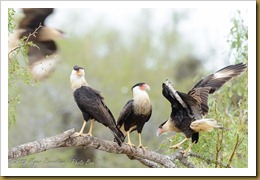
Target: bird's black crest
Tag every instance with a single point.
(76, 67)
(138, 84)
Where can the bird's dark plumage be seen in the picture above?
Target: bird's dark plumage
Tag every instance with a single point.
(130, 119)
(90, 102)
(188, 109)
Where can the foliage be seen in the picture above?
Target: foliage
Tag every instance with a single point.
(11, 23)
(238, 39)
(17, 68)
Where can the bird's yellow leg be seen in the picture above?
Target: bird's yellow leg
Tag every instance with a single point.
(80, 133)
(129, 140)
(188, 149)
(140, 142)
(177, 146)
(91, 127)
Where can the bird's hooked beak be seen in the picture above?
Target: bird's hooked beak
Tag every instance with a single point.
(145, 87)
(80, 72)
(148, 87)
(159, 131)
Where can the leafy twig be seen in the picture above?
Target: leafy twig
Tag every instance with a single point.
(26, 41)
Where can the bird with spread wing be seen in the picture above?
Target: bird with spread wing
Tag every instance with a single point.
(188, 110)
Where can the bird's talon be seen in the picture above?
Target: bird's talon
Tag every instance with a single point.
(77, 134)
(130, 144)
(89, 134)
(185, 153)
(142, 147)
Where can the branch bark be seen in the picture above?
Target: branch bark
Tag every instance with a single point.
(146, 157)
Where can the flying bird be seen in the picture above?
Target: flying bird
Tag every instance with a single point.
(135, 113)
(43, 57)
(92, 105)
(189, 109)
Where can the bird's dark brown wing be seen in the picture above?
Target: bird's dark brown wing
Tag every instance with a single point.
(172, 96)
(34, 17)
(212, 83)
(200, 95)
(219, 78)
(149, 115)
(180, 102)
(125, 113)
(90, 101)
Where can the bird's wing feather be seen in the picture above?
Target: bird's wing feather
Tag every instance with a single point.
(90, 101)
(211, 83)
(219, 78)
(172, 96)
(149, 115)
(34, 17)
(200, 95)
(125, 113)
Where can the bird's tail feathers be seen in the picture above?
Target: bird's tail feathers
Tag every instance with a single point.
(119, 137)
(205, 125)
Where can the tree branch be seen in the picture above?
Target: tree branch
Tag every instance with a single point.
(39, 146)
(146, 157)
(65, 139)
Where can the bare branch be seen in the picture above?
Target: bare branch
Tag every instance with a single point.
(39, 146)
(33, 33)
(147, 157)
(179, 155)
(146, 162)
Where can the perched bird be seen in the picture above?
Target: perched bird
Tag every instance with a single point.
(91, 104)
(135, 113)
(188, 109)
(44, 57)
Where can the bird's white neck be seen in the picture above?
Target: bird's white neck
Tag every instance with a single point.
(77, 81)
(142, 102)
(140, 95)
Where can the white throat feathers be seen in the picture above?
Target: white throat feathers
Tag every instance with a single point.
(170, 127)
(142, 103)
(77, 79)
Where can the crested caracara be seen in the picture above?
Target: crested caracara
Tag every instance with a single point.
(135, 113)
(188, 109)
(43, 58)
(91, 104)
